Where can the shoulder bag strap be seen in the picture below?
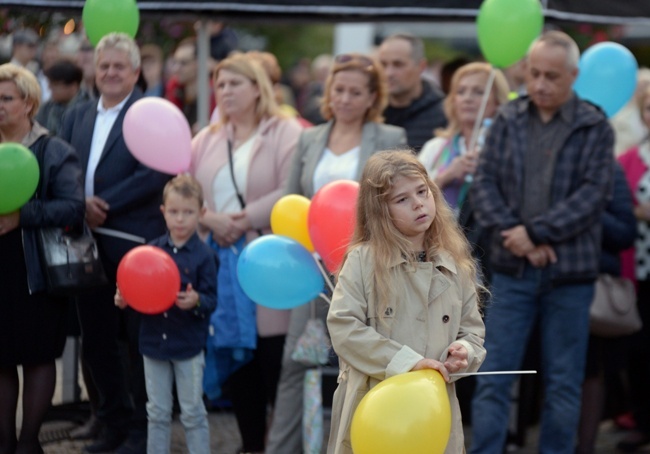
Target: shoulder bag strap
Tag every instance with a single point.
(242, 202)
(39, 152)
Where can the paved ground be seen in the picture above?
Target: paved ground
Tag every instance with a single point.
(225, 435)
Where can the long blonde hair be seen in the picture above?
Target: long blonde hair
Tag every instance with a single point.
(375, 228)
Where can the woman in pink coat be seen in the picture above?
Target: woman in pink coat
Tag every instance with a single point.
(242, 163)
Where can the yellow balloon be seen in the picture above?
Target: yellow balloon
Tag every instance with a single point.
(406, 414)
(289, 218)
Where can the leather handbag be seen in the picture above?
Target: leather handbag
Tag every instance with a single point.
(613, 311)
(69, 259)
(71, 262)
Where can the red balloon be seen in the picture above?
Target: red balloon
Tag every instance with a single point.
(148, 279)
(331, 220)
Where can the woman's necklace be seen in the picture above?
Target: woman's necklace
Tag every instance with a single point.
(422, 256)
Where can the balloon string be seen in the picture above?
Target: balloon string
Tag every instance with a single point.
(325, 276)
(481, 111)
(325, 298)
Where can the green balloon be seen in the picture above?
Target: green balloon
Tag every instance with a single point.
(18, 176)
(506, 28)
(101, 17)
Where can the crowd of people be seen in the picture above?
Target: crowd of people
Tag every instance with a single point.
(464, 249)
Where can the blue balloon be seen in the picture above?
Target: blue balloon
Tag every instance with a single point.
(607, 76)
(278, 272)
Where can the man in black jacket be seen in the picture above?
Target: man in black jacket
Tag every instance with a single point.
(122, 207)
(413, 103)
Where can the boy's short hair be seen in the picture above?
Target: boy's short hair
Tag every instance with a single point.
(185, 185)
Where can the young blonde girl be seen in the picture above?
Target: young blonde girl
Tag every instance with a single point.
(406, 296)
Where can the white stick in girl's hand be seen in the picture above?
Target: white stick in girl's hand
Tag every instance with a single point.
(496, 372)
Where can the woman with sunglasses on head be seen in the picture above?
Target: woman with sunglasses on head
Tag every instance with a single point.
(242, 163)
(353, 101)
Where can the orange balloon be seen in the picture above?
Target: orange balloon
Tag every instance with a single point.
(289, 218)
(407, 414)
(148, 279)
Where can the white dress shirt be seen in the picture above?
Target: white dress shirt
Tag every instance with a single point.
(103, 125)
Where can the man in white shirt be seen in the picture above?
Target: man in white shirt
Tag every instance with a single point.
(122, 207)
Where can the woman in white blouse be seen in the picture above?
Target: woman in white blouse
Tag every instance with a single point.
(353, 100)
(242, 163)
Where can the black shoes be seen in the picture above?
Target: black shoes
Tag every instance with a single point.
(136, 443)
(633, 441)
(108, 441)
(88, 431)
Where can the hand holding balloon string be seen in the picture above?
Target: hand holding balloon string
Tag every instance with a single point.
(456, 360)
(119, 299)
(187, 299)
(9, 222)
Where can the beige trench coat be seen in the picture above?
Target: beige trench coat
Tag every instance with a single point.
(432, 307)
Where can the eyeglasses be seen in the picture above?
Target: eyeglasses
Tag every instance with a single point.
(347, 58)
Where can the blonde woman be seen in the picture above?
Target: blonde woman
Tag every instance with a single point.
(446, 157)
(32, 325)
(242, 163)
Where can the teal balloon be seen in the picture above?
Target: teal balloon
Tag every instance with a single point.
(19, 176)
(278, 272)
(101, 17)
(506, 29)
(607, 76)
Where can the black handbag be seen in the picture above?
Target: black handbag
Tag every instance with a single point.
(70, 259)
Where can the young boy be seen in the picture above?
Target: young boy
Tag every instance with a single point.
(172, 342)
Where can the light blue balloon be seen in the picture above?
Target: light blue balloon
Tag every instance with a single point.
(607, 76)
(278, 272)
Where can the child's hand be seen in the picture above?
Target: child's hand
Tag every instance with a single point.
(457, 358)
(188, 299)
(427, 363)
(119, 301)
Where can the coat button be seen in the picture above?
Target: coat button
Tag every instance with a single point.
(389, 311)
(445, 319)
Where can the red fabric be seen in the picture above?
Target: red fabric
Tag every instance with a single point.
(174, 90)
(171, 92)
(634, 169)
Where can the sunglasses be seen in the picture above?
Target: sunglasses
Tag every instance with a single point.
(347, 58)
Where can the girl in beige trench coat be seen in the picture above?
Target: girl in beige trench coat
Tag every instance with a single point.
(406, 296)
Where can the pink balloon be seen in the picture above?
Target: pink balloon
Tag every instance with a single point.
(158, 135)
